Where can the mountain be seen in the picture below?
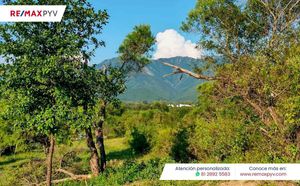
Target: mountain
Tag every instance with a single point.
(150, 85)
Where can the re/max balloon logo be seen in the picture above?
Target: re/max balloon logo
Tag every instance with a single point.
(33, 13)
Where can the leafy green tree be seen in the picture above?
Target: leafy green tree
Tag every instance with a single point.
(134, 51)
(251, 49)
(44, 62)
(133, 55)
(111, 84)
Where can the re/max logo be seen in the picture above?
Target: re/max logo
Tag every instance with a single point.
(33, 13)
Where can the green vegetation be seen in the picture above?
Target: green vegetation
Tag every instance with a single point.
(52, 91)
(181, 137)
(57, 109)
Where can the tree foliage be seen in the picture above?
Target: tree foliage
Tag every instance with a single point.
(46, 67)
(134, 51)
(252, 49)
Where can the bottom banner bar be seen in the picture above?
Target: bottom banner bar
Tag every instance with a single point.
(231, 172)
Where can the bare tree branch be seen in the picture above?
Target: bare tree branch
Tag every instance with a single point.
(72, 177)
(179, 70)
(268, 8)
(175, 72)
(66, 172)
(294, 5)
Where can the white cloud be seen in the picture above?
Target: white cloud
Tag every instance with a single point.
(171, 44)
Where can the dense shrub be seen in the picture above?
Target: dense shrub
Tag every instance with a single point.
(157, 115)
(180, 148)
(219, 140)
(139, 141)
(162, 142)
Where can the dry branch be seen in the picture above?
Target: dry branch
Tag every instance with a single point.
(63, 156)
(73, 177)
(179, 70)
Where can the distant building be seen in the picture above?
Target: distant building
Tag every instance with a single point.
(179, 105)
(184, 105)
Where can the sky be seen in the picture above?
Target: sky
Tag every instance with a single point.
(164, 16)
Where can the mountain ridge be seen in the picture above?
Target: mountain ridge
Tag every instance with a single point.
(150, 85)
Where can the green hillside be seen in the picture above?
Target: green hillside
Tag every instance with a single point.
(150, 85)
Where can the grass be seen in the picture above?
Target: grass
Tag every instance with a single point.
(10, 166)
(117, 151)
(115, 144)
(16, 160)
(143, 170)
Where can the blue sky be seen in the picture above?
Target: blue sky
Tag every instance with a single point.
(162, 15)
(125, 14)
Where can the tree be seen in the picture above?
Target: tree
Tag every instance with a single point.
(84, 96)
(251, 49)
(44, 62)
(133, 55)
(134, 51)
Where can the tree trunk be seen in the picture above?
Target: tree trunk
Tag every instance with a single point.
(46, 144)
(49, 161)
(94, 159)
(99, 136)
(100, 143)
(298, 143)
